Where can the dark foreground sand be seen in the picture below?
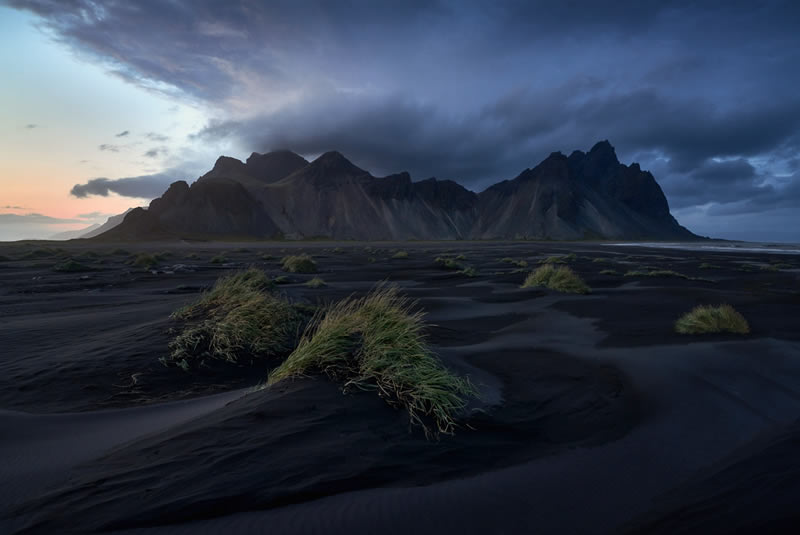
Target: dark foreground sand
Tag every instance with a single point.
(595, 416)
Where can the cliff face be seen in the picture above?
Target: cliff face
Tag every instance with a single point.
(585, 195)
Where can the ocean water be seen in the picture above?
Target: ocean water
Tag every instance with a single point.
(741, 247)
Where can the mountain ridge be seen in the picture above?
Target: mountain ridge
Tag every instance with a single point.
(586, 195)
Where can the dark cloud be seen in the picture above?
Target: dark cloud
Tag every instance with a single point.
(703, 94)
(108, 147)
(34, 219)
(160, 138)
(145, 186)
(123, 133)
(156, 152)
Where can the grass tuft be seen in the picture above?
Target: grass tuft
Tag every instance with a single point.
(559, 259)
(469, 271)
(316, 282)
(219, 259)
(376, 343)
(657, 273)
(299, 264)
(240, 318)
(609, 272)
(400, 254)
(145, 260)
(71, 266)
(447, 263)
(710, 319)
(561, 279)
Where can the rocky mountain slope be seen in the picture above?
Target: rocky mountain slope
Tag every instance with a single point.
(281, 195)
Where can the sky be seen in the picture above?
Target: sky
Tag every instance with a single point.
(103, 104)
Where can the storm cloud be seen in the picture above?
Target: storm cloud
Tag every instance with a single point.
(145, 186)
(703, 96)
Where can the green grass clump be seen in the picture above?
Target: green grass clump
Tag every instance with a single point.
(316, 282)
(376, 343)
(299, 264)
(656, 273)
(710, 319)
(145, 260)
(770, 267)
(461, 257)
(400, 254)
(469, 271)
(239, 319)
(559, 259)
(517, 263)
(281, 279)
(219, 259)
(600, 259)
(447, 263)
(71, 266)
(706, 265)
(561, 279)
(609, 272)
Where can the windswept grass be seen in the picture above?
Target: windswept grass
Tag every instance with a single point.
(706, 265)
(219, 259)
(376, 343)
(609, 272)
(517, 263)
(299, 264)
(461, 257)
(561, 279)
(239, 319)
(710, 319)
(469, 271)
(71, 266)
(145, 260)
(316, 282)
(445, 262)
(400, 254)
(657, 273)
(559, 259)
(601, 260)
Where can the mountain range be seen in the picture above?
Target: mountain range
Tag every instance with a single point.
(281, 195)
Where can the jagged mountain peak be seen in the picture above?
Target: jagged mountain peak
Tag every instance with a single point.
(588, 194)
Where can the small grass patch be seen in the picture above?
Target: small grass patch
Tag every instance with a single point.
(445, 262)
(240, 319)
(601, 260)
(376, 343)
(516, 263)
(145, 260)
(561, 279)
(461, 257)
(299, 264)
(400, 254)
(469, 271)
(316, 282)
(609, 272)
(710, 319)
(219, 259)
(706, 265)
(281, 279)
(559, 259)
(782, 265)
(657, 273)
(71, 266)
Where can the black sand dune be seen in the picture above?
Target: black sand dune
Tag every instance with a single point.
(595, 417)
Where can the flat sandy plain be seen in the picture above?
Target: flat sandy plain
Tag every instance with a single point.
(594, 415)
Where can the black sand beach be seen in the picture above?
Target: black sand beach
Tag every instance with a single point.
(594, 415)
